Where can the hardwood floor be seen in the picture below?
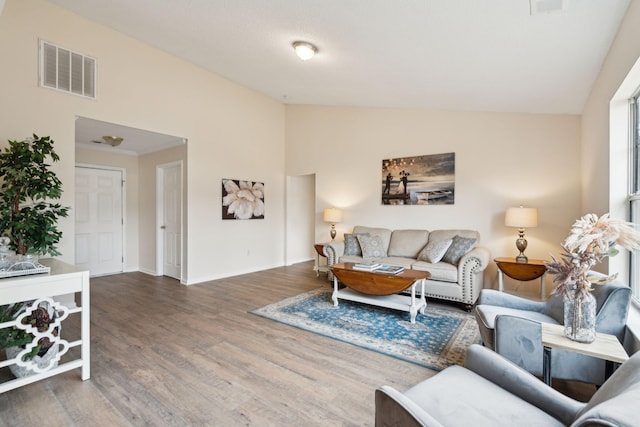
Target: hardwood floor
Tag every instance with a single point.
(167, 354)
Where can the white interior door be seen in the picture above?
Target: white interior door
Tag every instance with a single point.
(170, 177)
(99, 220)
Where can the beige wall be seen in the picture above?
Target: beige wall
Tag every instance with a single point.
(130, 166)
(604, 142)
(233, 132)
(605, 148)
(502, 160)
(623, 54)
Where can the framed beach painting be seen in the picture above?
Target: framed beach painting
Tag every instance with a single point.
(419, 180)
(242, 199)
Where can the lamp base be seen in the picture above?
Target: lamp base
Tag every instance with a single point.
(521, 244)
(332, 232)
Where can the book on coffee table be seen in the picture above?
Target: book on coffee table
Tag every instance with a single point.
(369, 266)
(389, 269)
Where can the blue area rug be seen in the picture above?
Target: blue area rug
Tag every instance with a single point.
(438, 339)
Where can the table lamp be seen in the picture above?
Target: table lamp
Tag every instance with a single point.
(521, 218)
(332, 216)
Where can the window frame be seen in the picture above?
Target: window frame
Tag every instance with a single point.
(633, 198)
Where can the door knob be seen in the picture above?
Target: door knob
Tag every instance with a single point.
(162, 227)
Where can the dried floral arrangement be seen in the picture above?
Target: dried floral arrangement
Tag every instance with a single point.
(590, 241)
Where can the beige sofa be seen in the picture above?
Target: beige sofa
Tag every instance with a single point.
(456, 277)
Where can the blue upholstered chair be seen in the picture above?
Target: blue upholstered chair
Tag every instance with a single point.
(511, 326)
(491, 391)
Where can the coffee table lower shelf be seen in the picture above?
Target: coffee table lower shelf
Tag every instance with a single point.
(413, 305)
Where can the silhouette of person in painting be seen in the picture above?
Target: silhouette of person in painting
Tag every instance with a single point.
(400, 186)
(387, 185)
(405, 179)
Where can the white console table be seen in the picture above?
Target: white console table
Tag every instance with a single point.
(62, 280)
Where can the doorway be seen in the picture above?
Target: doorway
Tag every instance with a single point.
(137, 152)
(169, 219)
(99, 220)
(301, 218)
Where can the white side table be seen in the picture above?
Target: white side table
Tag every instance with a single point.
(64, 279)
(605, 347)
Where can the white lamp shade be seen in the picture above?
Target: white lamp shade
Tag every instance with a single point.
(332, 215)
(521, 217)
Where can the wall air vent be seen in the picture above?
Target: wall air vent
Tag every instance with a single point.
(547, 6)
(68, 71)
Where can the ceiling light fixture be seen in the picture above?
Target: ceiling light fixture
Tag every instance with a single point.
(112, 140)
(304, 50)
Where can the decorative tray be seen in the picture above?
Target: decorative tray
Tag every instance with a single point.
(23, 268)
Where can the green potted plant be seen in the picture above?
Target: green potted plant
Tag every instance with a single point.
(28, 217)
(28, 211)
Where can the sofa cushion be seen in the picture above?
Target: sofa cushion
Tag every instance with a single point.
(353, 258)
(439, 271)
(372, 246)
(459, 247)
(407, 243)
(399, 261)
(351, 245)
(434, 251)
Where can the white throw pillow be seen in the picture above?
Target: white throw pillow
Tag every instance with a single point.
(372, 246)
(434, 251)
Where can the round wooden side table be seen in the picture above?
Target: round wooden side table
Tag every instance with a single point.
(319, 247)
(524, 271)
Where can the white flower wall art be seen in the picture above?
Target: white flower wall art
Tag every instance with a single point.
(242, 199)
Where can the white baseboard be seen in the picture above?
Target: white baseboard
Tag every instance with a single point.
(229, 274)
(149, 272)
(298, 261)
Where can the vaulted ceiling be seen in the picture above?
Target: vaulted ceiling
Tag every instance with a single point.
(478, 55)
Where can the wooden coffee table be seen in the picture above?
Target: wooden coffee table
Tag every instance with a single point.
(380, 289)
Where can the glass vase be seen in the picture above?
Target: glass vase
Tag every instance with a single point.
(580, 318)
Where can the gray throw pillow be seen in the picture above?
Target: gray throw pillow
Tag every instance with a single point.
(372, 246)
(434, 251)
(459, 247)
(351, 244)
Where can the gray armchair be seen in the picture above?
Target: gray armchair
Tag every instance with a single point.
(491, 391)
(511, 326)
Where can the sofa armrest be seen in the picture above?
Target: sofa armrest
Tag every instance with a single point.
(471, 273)
(333, 251)
(479, 253)
(519, 382)
(503, 299)
(395, 409)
